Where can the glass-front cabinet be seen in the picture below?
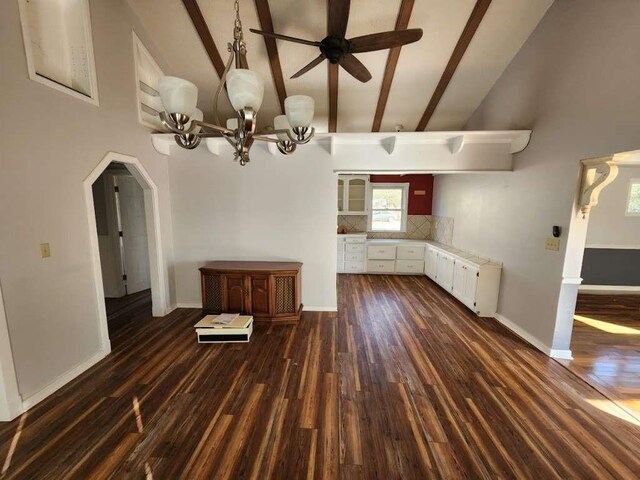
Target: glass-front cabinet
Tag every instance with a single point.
(353, 194)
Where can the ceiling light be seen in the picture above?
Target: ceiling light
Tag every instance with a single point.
(245, 91)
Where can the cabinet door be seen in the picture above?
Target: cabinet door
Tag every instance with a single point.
(260, 295)
(445, 271)
(340, 195)
(459, 280)
(212, 293)
(431, 261)
(236, 293)
(470, 287)
(357, 195)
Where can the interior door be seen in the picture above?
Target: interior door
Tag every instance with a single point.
(260, 295)
(236, 292)
(130, 206)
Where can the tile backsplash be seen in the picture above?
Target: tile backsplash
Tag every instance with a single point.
(419, 227)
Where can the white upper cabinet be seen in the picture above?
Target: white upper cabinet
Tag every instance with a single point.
(353, 194)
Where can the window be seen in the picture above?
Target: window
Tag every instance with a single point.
(388, 211)
(58, 47)
(148, 75)
(633, 201)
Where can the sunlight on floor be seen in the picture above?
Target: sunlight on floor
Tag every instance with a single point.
(607, 326)
(14, 444)
(612, 408)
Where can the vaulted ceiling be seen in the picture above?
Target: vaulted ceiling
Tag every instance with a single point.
(433, 84)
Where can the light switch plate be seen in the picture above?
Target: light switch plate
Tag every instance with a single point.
(44, 250)
(552, 244)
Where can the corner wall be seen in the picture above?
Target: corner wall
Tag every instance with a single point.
(50, 143)
(575, 85)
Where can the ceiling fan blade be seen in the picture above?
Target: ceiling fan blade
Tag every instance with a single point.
(338, 17)
(355, 67)
(314, 63)
(383, 40)
(285, 37)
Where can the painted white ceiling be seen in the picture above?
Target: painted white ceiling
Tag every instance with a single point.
(504, 29)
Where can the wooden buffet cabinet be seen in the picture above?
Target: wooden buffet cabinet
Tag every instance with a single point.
(269, 291)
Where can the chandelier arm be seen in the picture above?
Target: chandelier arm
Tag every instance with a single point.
(263, 138)
(221, 85)
(304, 139)
(171, 125)
(216, 128)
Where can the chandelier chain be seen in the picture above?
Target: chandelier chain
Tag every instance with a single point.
(238, 22)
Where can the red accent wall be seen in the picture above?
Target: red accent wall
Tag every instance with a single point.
(418, 204)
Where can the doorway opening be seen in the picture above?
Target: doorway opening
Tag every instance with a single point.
(128, 266)
(118, 201)
(605, 322)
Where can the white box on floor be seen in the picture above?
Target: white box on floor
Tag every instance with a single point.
(238, 331)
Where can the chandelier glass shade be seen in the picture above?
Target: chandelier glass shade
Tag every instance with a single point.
(245, 90)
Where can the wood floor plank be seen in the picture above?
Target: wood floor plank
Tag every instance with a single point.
(403, 382)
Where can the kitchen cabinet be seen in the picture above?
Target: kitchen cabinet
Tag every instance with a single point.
(353, 194)
(351, 253)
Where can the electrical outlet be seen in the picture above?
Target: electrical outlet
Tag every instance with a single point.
(45, 252)
(552, 244)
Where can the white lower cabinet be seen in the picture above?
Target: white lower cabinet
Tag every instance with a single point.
(381, 252)
(472, 280)
(350, 254)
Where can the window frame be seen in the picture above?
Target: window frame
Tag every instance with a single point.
(404, 209)
(91, 66)
(632, 182)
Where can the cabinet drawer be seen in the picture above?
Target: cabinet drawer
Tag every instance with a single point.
(381, 252)
(354, 267)
(354, 257)
(354, 248)
(409, 266)
(387, 266)
(410, 252)
(355, 239)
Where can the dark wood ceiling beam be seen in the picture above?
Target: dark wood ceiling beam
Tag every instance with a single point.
(205, 35)
(402, 22)
(266, 25)
(461, 47)
(333, 96)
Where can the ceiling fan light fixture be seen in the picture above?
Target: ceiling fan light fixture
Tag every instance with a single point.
(245, 89)
(299, 110)
(178, 96)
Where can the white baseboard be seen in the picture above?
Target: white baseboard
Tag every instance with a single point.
(608, 289)
(320, 309)
(171, 308)
(527, 337)
(189, 305)
(61, 381)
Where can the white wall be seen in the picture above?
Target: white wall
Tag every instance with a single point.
(50, 143)
(608, 225)
(275, 208)
(574, 83)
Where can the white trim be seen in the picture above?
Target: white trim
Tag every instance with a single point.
(405, 205)
(572, 280)
(171, 308)
(533, 341)
(152, 215)
(10, 399)
(62, 380)
(627, 213)
(189, 305)
(608, 288)
(320, 309)
(613, 247)
(91, 67)
(139, 48)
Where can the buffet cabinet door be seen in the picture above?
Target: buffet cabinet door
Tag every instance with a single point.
(260, 304)
(237, 293)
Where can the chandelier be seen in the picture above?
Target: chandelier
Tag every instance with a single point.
(245, 91)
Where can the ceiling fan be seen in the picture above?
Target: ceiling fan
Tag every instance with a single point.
(338, 49)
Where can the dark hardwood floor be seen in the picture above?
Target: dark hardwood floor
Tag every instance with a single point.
(606, 347)
(404, 382)
(124, 310)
